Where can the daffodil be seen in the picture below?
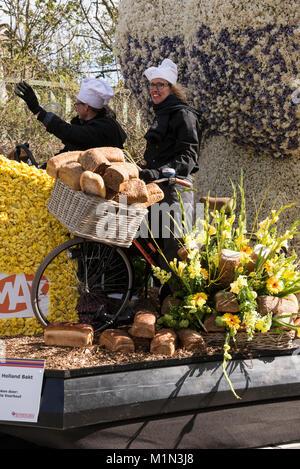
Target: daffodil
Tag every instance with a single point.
(28, 232)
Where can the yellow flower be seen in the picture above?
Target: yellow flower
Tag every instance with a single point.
(232, 321)
(289, 275)
(211, 230)
(246, 249)
(161, 274)
(3, 216)
(28, 232)
(236, 286)
(178, 267)
(274, 285)
(199, 299)
(245, 257)
(204, 273)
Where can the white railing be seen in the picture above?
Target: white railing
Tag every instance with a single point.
(68, 99)
(47, 84)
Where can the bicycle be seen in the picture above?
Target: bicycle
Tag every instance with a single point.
(102, 274)
(27, 156)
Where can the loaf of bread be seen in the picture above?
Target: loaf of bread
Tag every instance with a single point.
(112, 154)
(91, 159)
(92, 183)
(190, 339)
(143, 324)
(60, 160)
(164, 342)
(118, 173)
(135, 191)
(70, 174)
(94, 158)
(228, 262)
(68, 334)
(155, 194)
(116, 340)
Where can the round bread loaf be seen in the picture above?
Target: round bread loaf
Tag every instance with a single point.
(70, 174)
(92, 183)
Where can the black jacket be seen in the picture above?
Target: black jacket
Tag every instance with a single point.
(174, 138)
(101, 131)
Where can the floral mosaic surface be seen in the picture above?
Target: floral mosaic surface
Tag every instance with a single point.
(28, 232)
(239, 60)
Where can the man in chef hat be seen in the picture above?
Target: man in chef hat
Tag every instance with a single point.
(94, 126)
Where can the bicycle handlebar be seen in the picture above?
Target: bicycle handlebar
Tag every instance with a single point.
(28, 153)
(174, 180)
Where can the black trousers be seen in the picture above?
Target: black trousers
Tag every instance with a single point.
(167, 220)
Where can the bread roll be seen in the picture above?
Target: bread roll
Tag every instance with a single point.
(118, 173)
(92, 183)
(102, 167)
(60, 160)
(155, 194)
(91, 159)
(190, 339)
(114, 176)
(135, 191)
(70, 174)
(68, 334)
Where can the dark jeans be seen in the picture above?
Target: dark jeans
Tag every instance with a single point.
(167, 229)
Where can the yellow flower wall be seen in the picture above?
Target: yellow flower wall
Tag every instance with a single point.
(28, 232)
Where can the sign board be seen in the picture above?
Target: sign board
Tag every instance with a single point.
(20, 389)
(15, 295)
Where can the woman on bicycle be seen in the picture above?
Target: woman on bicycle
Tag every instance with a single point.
(94, 126)
(172, 141)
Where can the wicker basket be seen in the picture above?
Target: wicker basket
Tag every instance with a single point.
(95, 218)
(260, 341)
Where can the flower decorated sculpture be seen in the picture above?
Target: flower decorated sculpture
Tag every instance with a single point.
(239, 60)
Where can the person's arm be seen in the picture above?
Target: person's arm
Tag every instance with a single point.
(90, 132)
(186, 129)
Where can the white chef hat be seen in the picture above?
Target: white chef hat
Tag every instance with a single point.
(95, 92)
(166, 70)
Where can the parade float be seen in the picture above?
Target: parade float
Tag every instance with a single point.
(230, 327)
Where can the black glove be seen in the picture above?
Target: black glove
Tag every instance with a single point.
(148, 175)
(24, 91)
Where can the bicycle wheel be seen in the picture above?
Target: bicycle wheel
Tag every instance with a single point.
(85, 278)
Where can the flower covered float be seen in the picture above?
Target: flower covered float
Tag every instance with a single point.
(28, 232)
